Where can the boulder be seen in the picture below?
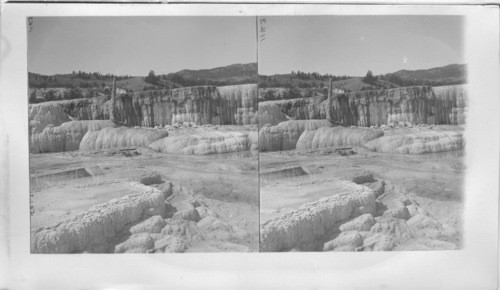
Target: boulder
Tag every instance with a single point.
(152, 225)
(137, 243)
(216, 229)
(361, 223)
(346, 241)
(399, 213)
(379, 242)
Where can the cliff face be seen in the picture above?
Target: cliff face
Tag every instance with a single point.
(416, 105)
(235, 105)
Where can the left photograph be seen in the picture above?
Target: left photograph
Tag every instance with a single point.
(143, 134)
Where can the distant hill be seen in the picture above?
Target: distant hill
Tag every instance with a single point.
(299, 80)
(79, 84)
(445, 75)
(439, 76)
(234, 72)
(228, 75)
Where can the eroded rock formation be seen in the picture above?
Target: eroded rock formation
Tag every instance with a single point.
(66, 137)
(204, 143)
(42, 115)
(299, 109)
(109, 138)
(285, 135)
(418, 142)
(86, 109)
(336, 137)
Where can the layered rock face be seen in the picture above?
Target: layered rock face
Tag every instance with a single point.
(285, 135)
(236, 105)
(336, 137)
(418, 142)
(66, 137)
(204, 143)
(109, 138)
(416, 105)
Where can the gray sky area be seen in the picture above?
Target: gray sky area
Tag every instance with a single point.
(134, 45)
(351, 45)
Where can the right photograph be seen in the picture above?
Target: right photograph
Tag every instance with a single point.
(361, 132)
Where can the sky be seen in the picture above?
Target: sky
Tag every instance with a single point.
(352, 45)
(135, 45)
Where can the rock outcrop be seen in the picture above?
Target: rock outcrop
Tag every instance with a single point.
(204, 143)
(270, 114)
(336, 137)
(86, 108)
(96, 229)
(418, 142)
(285, 135)
(66, 137)
(236, 105)
(44, 114)
(109, 138)
(274, 94)
(312, 221)
(300, 108)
